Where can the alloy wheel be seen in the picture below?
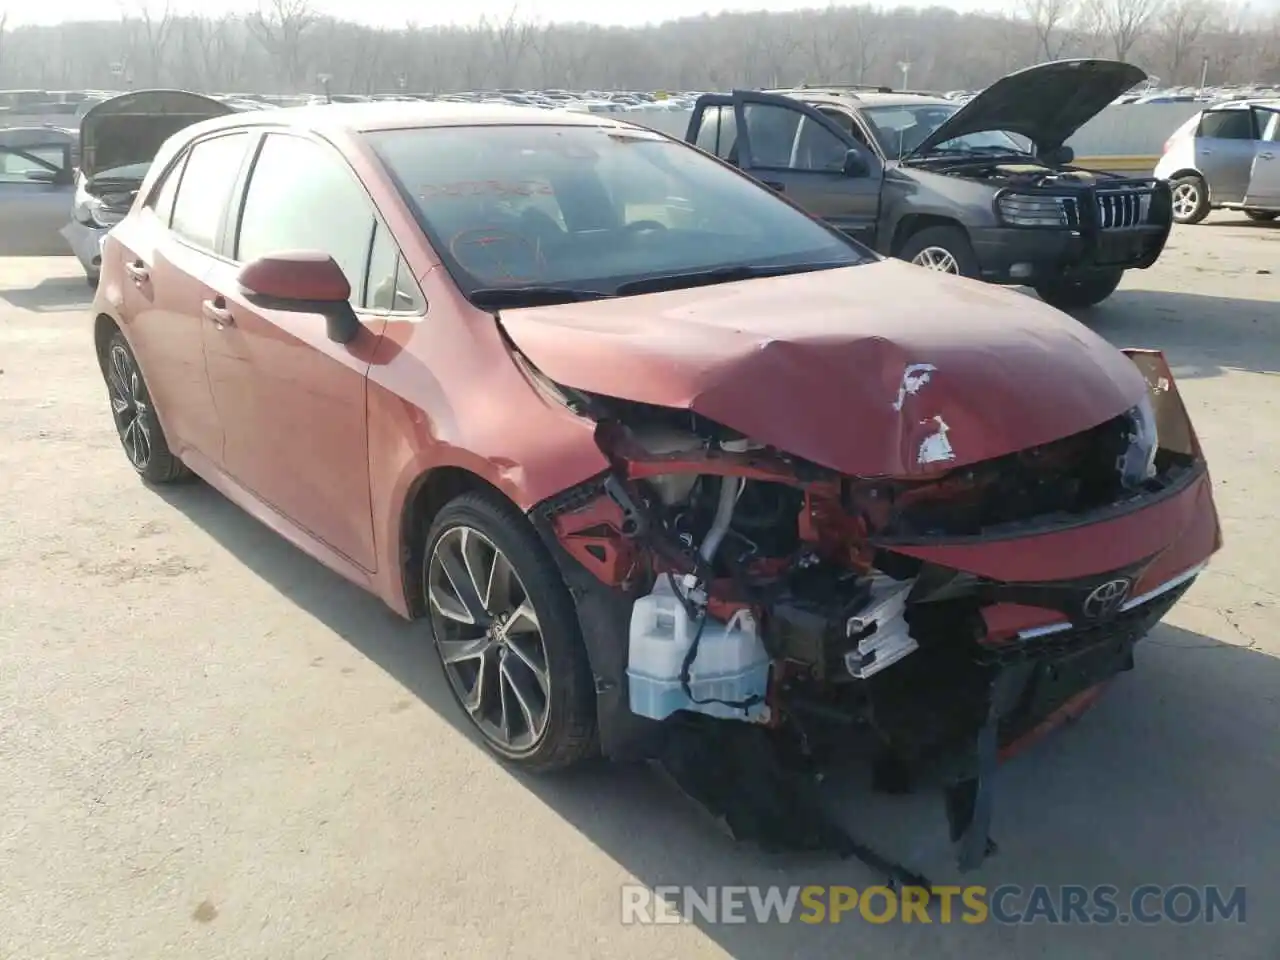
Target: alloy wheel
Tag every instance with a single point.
(489, 638)
(936, 258)
(129, 406)
(1186, 199)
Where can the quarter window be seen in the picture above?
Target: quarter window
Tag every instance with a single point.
(210, 175)
(391, 286)
(301, 196)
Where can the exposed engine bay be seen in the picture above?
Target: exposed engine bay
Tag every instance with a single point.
(773, 607)
(1028, 174)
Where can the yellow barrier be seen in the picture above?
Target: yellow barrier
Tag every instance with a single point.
(1124, 163)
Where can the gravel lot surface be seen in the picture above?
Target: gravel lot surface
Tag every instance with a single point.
(212, 747)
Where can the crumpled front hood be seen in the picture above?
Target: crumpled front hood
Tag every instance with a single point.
(878, 370)
(1046, 103)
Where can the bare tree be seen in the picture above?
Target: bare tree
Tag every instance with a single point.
(1123, 22)
(1178, 29)
(511, 40)
(148, 29)
(1049, 19)
(276, 49)
(280, 27)
(4, 46)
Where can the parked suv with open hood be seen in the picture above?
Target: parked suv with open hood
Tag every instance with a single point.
(119, 138)
(985, 189)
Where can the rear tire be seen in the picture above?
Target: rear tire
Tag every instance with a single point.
(135, 418)
(943, 249)
(1077, 293)
(1261, 216)
(1190, 199)
(524, 647)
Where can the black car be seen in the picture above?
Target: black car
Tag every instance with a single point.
(985, 189)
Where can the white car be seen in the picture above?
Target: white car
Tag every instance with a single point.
(118, 140)
(1225, 157)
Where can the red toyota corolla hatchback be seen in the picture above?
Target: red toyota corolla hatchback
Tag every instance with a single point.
(667, 467)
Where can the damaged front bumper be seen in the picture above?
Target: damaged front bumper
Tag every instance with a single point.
(86, 243)
(934, 652)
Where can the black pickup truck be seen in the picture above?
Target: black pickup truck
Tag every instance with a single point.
(984, 190)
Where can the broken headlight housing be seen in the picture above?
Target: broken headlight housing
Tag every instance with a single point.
(1137, 464)
(94, 211)
(1026, 210)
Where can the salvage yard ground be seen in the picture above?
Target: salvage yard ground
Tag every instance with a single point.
(211, 746)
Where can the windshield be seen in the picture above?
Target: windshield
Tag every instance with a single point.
(900, 129)
(594, 208)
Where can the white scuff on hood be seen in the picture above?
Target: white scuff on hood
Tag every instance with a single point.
(914, 378)
(936, 448)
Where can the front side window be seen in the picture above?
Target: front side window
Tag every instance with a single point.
(902, 128)
(1227, 125)
(1269, 124)
(302, 196)
(593, 207)
(207, 182)
(37, 163)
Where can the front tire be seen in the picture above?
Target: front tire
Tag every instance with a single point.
(1190, 199)
(1261, 216)
(507, 633)
(135, 417)
(942, 249)
(1077, 293)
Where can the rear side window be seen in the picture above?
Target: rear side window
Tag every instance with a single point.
(162, 197)
(718, 131)
(1227, 125)
(1269, 121)
(210, 175)
(302, 196)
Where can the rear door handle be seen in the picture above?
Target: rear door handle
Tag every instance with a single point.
(775, 185)
(1267, 156)
(218, 311)
(138, 270)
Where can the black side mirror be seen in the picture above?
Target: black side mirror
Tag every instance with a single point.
(855, 164)
(1060, 157)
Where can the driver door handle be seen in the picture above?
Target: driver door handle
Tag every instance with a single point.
(138, 270)
(218, 311)
(777, 185)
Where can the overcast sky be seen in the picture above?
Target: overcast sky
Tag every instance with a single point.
(396, 12)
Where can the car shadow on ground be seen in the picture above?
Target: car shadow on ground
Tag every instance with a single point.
(54, 295)
(1170, 780)
(1203, 336)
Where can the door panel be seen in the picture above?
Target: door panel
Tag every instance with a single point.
(1224, 153)
(793, 148)
(291, 401)
(163, 284)
(1264, 178)
(293, 405)
(35, 199)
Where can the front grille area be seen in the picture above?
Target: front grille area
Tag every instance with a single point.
(1123, 209)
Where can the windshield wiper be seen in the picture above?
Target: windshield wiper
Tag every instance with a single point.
(533, 295)
(704, 278)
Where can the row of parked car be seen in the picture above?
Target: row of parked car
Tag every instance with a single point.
(982, 187)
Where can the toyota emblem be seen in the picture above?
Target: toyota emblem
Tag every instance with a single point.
(1106, 599)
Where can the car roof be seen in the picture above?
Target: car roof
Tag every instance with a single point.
(351, 118)
(1245, 102)
(860, 97)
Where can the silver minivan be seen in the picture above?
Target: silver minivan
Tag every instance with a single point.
(1225, 157)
